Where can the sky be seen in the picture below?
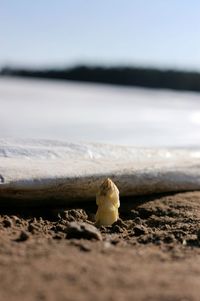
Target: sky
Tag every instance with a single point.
(48, 33)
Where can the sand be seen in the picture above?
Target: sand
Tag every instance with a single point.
(151, 253)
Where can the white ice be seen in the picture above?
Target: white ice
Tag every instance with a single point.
(76, 112)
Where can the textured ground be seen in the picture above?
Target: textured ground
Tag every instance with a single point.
(151, 253)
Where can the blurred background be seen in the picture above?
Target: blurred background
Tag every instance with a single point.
(119, 72)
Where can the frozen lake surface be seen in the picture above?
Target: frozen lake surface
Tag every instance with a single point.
(98, 113)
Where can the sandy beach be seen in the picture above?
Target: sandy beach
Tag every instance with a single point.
(151, 253)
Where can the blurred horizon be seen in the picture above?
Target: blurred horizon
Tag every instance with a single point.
(50, 34)
(122, 76)
(92, 65)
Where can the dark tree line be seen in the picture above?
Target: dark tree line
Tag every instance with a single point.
(127, 76)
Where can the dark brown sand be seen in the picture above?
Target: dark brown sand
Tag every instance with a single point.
(151, 253)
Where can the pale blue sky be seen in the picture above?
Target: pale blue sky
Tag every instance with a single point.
(163, 33)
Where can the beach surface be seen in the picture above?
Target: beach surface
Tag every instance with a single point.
(151, 253)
